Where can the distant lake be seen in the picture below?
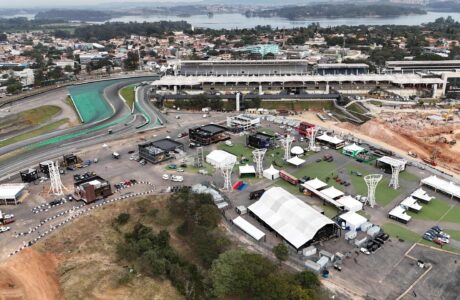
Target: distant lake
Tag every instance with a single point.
(231, 21)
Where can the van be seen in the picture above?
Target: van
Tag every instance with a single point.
(115, 155)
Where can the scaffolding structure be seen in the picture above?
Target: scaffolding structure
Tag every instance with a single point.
(395, 170)
(226, 170)
(287, 143)
(312, 136)
(258, 155)
(56, 188)
(372, 180)
(199, 158)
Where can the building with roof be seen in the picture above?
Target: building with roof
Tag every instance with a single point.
(299, 224)
(11, 193)
(411, 66)
(400, 84)
(351, 221)
(262, 49)
(159, 150)
(242, 122)
(248, 228)
(260, 140)
(208, 134)
(240, 67)
(92, 188)
(342, 69)
(331, 141)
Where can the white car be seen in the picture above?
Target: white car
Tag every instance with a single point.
(9, 216)
(365, 251)
(165, 176)
(180, 170)
(177, 178)
(4, 229)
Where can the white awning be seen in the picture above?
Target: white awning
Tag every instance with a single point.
(332, 192)
(353, 148)
(400, 213)
(422, 195)
(296, 161)
(329, 139)
(316, 184)
(248, 228)
(218, 158)
(392, 161)
(442, 185)
(411, 203)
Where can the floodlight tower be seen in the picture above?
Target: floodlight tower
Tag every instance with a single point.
(55, 178)
(372, 180)
(258, 155)
(287, 143)
(312, 132)
(199, 158)
(395, 170)
(226, 170)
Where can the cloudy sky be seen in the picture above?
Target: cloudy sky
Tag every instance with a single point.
(60, 3)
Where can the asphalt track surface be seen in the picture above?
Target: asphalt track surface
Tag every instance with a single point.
(32, 151)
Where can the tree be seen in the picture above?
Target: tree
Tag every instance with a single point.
(68, 69)
(122, 218)
(132, 61)
(281, 252)
(13, 86)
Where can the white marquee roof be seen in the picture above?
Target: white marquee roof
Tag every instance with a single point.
(392, 161)
(353, 218)
(332, 192)
(289, 216)
(421, 194)
(330, 139)
(9, 191)
(247, 169)
(411, 203)
(353, 148)
(400, 213)
(350, 203)
(220, 157)
(440, 184)
(316, 184)
(297, 150)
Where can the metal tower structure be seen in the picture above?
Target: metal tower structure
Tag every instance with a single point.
(258, 155)
(395, 169)
(55, 178)
(372, 180)
(199, 158)
(312, 131)
(226, 170)
(287, 143)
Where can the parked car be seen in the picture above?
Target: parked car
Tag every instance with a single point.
(438, 241)
(172, 166)
(180, 170)
(4, 229)
(165, 176)
(428, 237)
(177, 178)
(203, 172)
(365, 251)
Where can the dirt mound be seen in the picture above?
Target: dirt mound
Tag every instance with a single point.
(30, 275)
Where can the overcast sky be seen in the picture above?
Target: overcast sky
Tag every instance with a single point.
(60, 3)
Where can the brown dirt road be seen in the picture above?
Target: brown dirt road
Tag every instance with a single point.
(30, 275)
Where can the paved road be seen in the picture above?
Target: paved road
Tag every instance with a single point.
(94, 133)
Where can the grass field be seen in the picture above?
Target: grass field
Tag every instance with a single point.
(432, 211)
(29, 118)
(34, 133)
(453, 215)
(128, 95)
(383, 194)
(454, 234)
(408, 176)
(410, 236)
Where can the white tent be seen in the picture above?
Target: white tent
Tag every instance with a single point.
(316, 184)
(293, 219)
(247, 169)
(439, 184)
(421, 195)
(399, 213)
(297, 150)
(351, 204)
(271, 173)
(353, 220)
(332, 192)
(218, 158)
(250, 229)
(296, 161)
(411, 204)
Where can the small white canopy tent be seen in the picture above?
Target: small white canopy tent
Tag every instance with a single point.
(353, 220)
(332, 192)
(271, 173)
(297, 150)
(316, 184)
(296, 161)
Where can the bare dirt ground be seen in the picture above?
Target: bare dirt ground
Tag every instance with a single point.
(30, 275)
(80, 261)
(403, 132)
